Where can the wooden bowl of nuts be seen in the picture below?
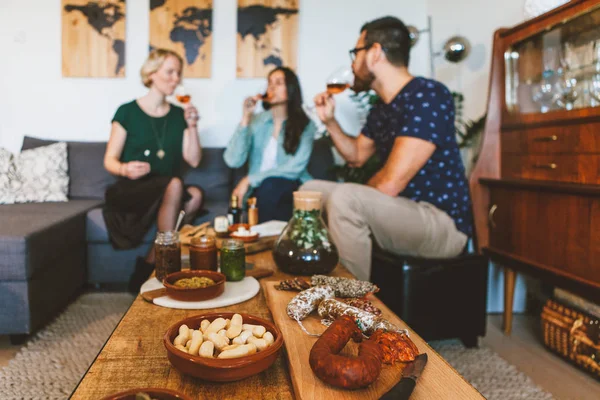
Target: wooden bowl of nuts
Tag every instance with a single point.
(194, 285)
(222, 347)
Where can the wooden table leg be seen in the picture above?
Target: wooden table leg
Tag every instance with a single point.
(509, 294)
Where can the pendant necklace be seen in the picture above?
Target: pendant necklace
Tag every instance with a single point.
(159, 141)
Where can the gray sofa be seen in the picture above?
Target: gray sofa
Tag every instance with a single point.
(50, 251)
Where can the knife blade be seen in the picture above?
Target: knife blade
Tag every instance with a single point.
(404, 388)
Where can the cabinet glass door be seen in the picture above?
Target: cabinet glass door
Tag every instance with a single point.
(557, 69)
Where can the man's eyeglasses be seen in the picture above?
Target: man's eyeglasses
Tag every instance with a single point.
(355, 50)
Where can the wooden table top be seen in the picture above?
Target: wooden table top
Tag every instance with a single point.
(135, 357)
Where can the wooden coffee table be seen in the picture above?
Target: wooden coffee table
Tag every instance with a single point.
(134, 356)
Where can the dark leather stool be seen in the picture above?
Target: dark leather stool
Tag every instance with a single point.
(437, 298)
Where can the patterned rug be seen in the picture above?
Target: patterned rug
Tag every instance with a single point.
(53, 362)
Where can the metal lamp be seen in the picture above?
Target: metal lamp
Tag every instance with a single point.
(456, 49)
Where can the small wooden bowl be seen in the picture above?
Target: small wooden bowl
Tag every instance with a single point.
(159, 394)
(235, 227)
(222, 370)
(197, 294)
(246, 239)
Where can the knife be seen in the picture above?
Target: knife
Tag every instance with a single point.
(403, 389)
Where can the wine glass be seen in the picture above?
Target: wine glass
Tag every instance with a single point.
(568, 91)
(595, 86)
(544, 94)
(337, 82)
(340, 80)
(184, 98)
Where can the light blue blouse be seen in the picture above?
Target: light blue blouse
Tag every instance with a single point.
(252, 140)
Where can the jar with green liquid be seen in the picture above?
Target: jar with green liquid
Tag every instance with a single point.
(233, 260)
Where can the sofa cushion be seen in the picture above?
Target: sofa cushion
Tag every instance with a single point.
(33, 233)
(41, 174)
(212, 175)
(88, 178)
(96, 228)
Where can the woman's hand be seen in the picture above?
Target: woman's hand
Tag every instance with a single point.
(241, 189)
(191, 116)
(248, 109)
(134, 169)
(325, 106)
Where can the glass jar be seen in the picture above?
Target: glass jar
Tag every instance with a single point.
(203, 253)
(305, 246)
(233, 260)
(168, 254)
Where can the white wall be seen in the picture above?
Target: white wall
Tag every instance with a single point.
(477, 20)
(36, 100)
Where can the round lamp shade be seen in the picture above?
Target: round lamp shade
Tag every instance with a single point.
(456, 49)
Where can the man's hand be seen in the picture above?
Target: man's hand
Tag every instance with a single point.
(241, 189)
(325, 106)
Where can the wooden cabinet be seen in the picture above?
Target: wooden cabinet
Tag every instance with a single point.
(536, 185)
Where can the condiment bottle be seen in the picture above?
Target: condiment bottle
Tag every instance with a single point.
(221, 226)
(203, 253)
(168, 253)
(233, 260)
(252, 211)
(234, 214)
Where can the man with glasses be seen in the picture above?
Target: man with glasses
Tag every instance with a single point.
(418, 203)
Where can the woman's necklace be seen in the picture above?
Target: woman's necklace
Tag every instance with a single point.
(160, 139)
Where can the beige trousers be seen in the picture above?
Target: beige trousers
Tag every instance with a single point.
(399, 225)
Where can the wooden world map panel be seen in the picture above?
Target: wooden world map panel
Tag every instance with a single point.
(184, 26)
(267, 36)
(93, 38)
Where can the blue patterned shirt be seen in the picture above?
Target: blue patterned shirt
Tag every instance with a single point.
(424, 109)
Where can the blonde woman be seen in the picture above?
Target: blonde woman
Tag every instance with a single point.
(149, 142)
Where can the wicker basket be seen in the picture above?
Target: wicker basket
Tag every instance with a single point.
(572, 334)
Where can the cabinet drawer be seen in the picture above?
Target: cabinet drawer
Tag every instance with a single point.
(553, 140)
(580, 168)
(559, 231)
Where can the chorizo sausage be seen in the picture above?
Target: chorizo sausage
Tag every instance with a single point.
(344, 371)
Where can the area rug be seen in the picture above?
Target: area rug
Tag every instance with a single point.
(489, 373)
(53, 362)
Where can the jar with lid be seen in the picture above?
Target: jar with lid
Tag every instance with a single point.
(233, 260)
(168, 253)
(305, 246)
(203, 253)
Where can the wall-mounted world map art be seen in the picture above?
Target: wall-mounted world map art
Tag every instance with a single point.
(93, 38)
(267, 36)
(184, 26)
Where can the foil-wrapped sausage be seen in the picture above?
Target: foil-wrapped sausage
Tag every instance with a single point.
(307, 301)
(345, 287)
(368, 323)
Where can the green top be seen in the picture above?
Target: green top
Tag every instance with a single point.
(146, 135)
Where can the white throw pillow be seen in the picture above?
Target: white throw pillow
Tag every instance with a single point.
(7, 175)
(38, 175)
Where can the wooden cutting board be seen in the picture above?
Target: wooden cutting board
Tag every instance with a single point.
(298, 345)
(261, 244)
